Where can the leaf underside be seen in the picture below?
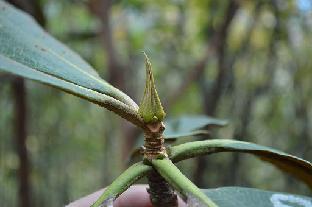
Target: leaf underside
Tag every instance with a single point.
(249, 197)
(191, 125)
(295, 166)
(27, 50)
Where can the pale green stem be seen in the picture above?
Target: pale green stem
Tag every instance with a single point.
(123, 182)
(181, 183)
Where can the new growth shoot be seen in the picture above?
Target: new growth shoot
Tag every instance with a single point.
(150, 108)
(152, 114)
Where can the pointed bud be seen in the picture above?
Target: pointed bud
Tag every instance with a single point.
(150, 108)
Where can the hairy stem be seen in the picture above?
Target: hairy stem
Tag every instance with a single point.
(161, 193)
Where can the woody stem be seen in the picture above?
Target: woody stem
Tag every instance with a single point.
(161, 193)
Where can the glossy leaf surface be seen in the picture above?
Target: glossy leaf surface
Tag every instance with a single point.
(28, 51)
(249, 197)
(293, 165)
(190, 126)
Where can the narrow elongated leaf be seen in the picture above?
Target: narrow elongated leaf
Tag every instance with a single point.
(295, 166)
(181, 183)
(249, 197)
(101, 99)
(123, 182)
(23, 44)
(190, 126)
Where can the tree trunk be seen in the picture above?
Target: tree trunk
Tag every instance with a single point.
(33, 8)
(20, 141)
(212, 97)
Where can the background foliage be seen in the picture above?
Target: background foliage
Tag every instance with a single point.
(245, 61)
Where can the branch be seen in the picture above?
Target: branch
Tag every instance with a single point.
(213, 46)
(80, 35)
(32, 7)
(102, 9)
(20, 141)
(247, 107)
(212, 97)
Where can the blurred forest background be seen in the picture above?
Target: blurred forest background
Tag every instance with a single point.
(248, 62)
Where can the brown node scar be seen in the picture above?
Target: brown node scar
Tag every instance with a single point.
(154, 141)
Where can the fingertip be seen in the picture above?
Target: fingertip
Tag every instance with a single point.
(135, 196)
(138, 196)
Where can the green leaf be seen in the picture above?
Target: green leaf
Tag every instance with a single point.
(101, 99)
(181, 183)
(28, 51)
(295, 166)
(190, 126)
(249, 197)
(123, 182)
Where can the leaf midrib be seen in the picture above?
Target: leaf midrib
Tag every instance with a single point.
(44, 46)
(79, 86)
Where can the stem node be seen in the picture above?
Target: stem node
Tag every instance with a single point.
(154, 141)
